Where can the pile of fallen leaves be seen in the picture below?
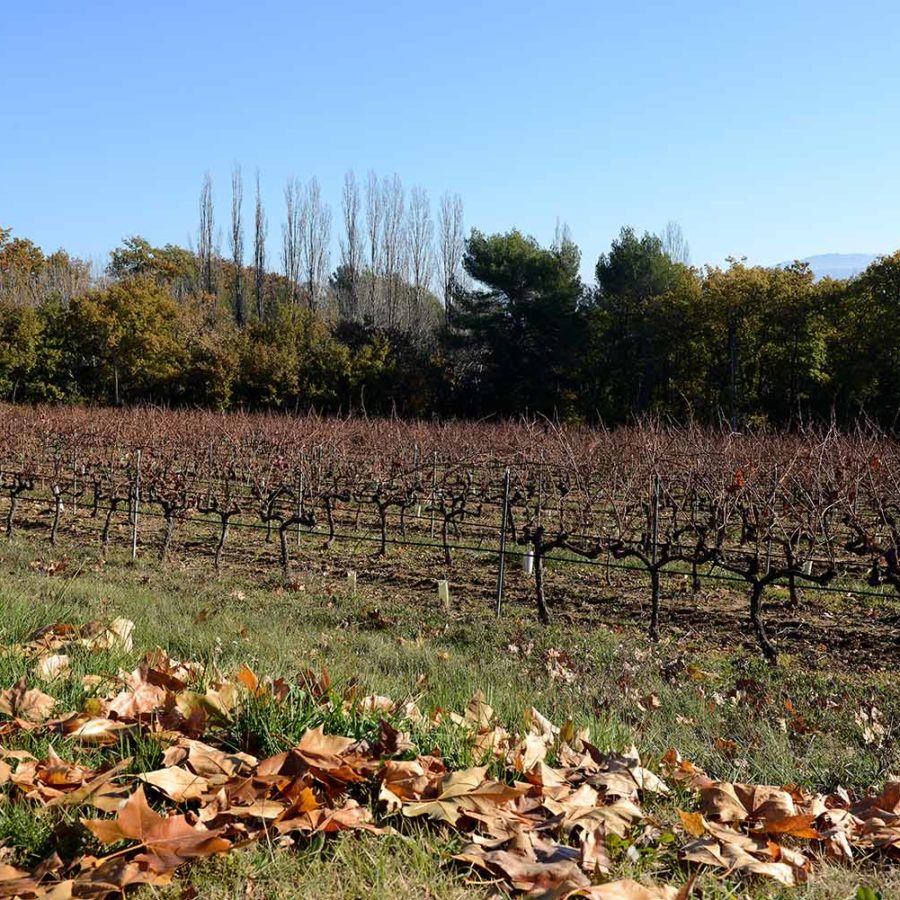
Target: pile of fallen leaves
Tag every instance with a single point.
(544, 814)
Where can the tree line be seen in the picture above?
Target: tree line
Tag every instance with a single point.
(418, 318)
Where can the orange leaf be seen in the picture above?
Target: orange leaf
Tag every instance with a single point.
(693, 823)
(137, 822)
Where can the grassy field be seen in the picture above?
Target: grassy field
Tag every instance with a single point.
(807, 723)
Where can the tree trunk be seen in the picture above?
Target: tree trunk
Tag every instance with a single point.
(794, 597)
(223, 534)
(757, 621)
(543, 612)
(696, 584)
(329, 515)
(13, 503)
(654, 604)
(445, 538)
(104, 536)
(57, 513)
(285, 552)
(167, 537)
(382, 513)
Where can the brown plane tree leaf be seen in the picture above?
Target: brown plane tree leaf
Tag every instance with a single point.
(101, 791)
(16, 882)
(202, 759)
(391, 741)
(140, 697)
(626, 889)
(103, 878)
(720, 801)
(20, 702)
(351, 816)
(765, 803)
(743, 863)
(888, 801)
(837, 828)
(117, 635)
(617, 817)
(467, 789)
(94, 730)
(409, 780)
(57, 783)
(745, 855)
(683, 770)
(692, 823)
(594, 856)
(622, 775)
(528, 864)
(324, 751)
(177, 783)
(584, 809)
(799, 826)
(137, 822)
(52, 666)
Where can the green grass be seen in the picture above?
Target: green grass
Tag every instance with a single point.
(621, 688)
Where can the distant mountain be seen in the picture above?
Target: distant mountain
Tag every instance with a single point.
(838, 265)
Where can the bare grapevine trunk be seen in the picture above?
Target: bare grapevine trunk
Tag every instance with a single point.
(543, 611)
(285, 551)
(654, 604)
(167, 537)
(329, 516)
(445, 539)
(794, 597)
(220, 546)
(759, 627)
(104, 536)
(695, 577)
(57, 513)
(10, 516)
(382, 514)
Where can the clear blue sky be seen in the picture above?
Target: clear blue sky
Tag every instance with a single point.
(767, 129)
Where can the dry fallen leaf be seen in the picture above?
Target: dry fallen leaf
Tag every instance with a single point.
(176, 783)
(20, 702)
(52, 666)
(625, 889)
(693, 823)
(135, 821)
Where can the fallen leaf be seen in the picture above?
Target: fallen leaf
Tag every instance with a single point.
(135, 821)
(176, 783)
(20, 702)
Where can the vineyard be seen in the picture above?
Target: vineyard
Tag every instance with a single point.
(422, 657)
(814, 514)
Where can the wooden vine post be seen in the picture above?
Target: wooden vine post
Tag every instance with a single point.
(136, 500)
(433, 489)
(504, 519)
(300, 487)
(654, 557)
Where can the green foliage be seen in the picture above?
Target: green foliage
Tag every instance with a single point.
(639, 300)
(20, 339)
(170, 265)
(128, 340)
(291, 361)
(865, 893)
(865, 344)
(518, 337)
(652, 336)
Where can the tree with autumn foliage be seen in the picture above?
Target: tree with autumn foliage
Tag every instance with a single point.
(127, 341)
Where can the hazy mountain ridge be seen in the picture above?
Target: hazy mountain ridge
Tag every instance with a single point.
(837, 265)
